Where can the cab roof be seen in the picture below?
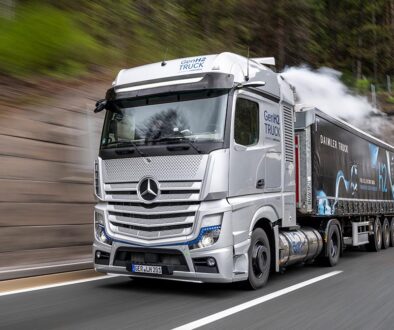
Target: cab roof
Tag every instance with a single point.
(191, 69)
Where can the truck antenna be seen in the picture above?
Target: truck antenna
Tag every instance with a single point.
(165, 56)
(247, 68)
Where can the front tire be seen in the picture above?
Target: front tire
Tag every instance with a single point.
(259, 259)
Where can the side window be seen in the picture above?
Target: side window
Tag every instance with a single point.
(246, 123)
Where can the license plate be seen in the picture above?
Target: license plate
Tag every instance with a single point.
(146, 269)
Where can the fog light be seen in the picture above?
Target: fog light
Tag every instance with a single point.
(98, 254)
(211, 262)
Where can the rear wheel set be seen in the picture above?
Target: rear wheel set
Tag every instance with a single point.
(333, 248)
(392, 231)
(386, 234)
(376, 238)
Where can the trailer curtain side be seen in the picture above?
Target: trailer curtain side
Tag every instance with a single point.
(349, 172)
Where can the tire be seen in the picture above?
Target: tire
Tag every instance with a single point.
(375, 240)
(392, 231)
(386, 237)
(333, 247)
(259, 259)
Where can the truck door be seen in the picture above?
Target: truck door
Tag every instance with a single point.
(255, 158)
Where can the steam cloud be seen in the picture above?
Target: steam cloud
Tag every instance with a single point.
(323, 89)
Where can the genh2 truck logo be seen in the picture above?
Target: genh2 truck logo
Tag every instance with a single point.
(193, 64)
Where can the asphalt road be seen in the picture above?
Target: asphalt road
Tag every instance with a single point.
(361, 297)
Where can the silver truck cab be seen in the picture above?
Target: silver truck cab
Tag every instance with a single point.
(196, 154)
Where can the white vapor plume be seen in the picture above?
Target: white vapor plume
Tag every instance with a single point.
(324, 90)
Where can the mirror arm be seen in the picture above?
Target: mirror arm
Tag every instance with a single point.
(250, 84)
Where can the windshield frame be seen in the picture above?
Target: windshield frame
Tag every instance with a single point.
(171, 147)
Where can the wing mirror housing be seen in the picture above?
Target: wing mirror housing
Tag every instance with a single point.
(100, 105)
(104, 104)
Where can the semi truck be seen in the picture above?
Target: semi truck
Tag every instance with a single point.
(208, 171)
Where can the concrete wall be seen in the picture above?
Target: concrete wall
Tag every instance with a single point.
(47, 147)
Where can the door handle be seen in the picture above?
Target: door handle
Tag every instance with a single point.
(260, 184)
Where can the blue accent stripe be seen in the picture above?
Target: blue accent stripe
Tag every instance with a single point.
(195, 241)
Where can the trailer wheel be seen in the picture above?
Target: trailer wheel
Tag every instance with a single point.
(333, 246)
(386, 234)
(392, 231)
(375, 240)
(259, 259)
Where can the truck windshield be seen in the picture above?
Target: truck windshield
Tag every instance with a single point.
(195, 116)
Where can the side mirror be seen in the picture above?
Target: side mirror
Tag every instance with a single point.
(100, 105)
(251, 84)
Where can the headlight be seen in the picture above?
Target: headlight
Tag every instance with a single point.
(99, 227)
(209, 233)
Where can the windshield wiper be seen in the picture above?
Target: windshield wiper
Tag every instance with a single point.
(175, 139)
(127, 144)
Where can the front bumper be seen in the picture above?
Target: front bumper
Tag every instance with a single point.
(227, 264)
(223, 257)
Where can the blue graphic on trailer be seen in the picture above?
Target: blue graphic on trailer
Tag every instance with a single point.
(390, 174)
(373, 152)
(323, 206)
(351, 186)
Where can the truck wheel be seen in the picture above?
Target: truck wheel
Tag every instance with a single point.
(333, 247)
(259, 259)
(386, 234)
(392, 231)
(375, 240)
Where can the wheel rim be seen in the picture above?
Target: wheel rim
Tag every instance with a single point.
(378, 233)
(392, 232)
(334, 245)
(259, 259)
(386, 233)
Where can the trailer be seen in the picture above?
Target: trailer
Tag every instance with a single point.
(345, 173)
(209, 172)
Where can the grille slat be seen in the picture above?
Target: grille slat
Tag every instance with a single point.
(152, 229)
(152, 223)
(162, 198)
(162, 208)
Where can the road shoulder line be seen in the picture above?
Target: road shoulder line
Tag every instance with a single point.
(55, 285)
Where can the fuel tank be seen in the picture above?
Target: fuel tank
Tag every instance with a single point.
(299, 246)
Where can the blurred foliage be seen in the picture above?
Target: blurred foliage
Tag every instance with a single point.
(66, 37)
(362, 85)
(42, 39)
(390, 99)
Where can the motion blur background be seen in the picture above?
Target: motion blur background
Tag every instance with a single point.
(57, 57)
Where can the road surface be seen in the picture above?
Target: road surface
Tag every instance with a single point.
(361, 296)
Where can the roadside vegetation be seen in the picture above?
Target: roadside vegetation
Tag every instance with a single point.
(64, 39)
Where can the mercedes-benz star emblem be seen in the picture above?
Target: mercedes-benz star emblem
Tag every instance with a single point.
(148, 189)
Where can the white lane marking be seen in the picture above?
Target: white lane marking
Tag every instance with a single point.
(252, 303)
(49, 286)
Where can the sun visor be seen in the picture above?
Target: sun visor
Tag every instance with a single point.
(192, 82)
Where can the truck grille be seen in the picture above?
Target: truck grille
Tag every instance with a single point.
(172, 213)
